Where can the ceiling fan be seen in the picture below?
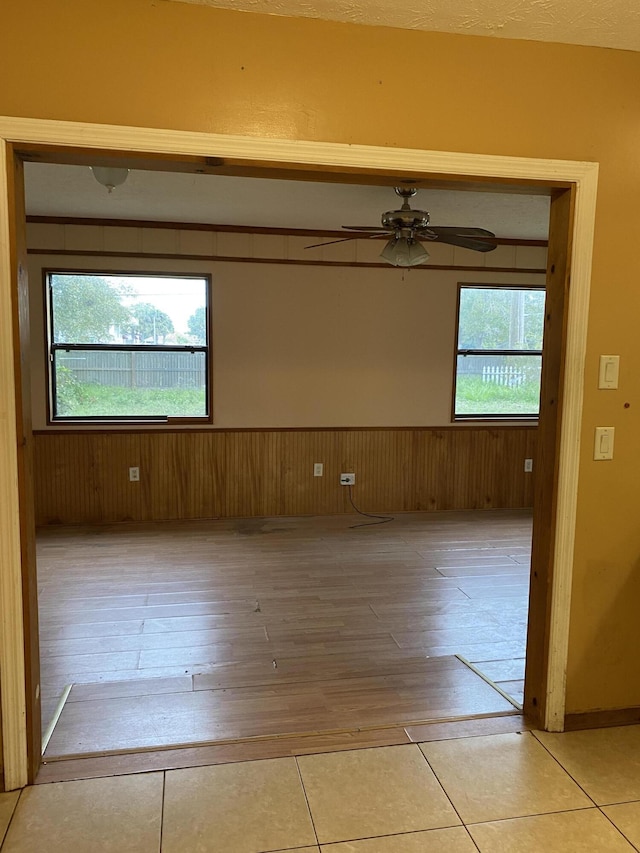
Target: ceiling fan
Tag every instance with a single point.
(410, 228)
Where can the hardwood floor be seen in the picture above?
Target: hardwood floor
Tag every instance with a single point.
(193, 632)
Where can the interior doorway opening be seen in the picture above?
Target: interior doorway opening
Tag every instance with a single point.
(437, 617)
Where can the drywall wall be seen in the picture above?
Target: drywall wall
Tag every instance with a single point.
(299, 346)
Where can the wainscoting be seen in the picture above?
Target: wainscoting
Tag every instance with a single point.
(82, 477)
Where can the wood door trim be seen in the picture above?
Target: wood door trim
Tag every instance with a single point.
(602, 719)
(578, 246)
(14, 735)
(238, 259)
(22, 333)
(269, 157)
(483, 426)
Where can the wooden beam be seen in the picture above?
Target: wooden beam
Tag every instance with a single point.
(233, 229)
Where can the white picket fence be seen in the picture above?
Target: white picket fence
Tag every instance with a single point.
(503, 375)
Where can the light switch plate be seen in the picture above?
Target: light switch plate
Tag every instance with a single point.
(603, 447)
(609, 371)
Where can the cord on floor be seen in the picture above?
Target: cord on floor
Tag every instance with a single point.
(383, 519)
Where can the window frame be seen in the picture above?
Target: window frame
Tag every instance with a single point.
(54, 419)
(466, 418)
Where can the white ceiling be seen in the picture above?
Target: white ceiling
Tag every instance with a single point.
(62, 190)
(600, 23)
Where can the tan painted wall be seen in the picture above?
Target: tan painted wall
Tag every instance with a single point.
(148, 63)
(303, 346)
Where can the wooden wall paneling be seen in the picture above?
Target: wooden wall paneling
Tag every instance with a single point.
(348, 463)
(293, 473)
(500, 465)
(360, 454)
(377, 474)
(420, 494)
(122, 499)
(251, 485)
(212, 475)
(168, 462)
(329, 443)
(519, 489)
(249, 473)
(157, 475)
(396, 470)
(49, 499)
(447, 472)
(458, 462)
(502, 485)
(300, 492)
(433, 481)
(478, 471)
(91, 487)
(188, 457)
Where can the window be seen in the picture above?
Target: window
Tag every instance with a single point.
(499, 351)
(126, 346)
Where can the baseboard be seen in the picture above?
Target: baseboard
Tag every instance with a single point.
(602, 719)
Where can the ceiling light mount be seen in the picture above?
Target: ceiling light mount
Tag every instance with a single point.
(109, 177)
(404, 251)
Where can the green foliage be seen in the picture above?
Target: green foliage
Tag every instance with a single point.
(501, 318)
(69, 391)
(151, 324)
(85, 308)
(109, 400)
(197, 324)
(475, 397)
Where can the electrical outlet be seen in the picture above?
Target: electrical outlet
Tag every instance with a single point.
(318, 469)
(134, 475)
(528, 466)
(347, 479)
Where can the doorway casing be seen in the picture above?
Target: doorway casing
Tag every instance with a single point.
(574, 200)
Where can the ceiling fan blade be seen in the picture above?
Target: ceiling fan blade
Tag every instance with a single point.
(344, 239)
(330, 242)
(461, 232)
(376, 228)
(477, 245)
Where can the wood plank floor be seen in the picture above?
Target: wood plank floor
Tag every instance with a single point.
(199, 631)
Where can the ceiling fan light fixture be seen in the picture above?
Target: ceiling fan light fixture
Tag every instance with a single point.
(109, 177)
(404, 252)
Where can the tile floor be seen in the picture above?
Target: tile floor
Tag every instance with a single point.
(577, 792)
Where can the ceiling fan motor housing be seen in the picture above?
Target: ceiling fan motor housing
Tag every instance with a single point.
(413, 220)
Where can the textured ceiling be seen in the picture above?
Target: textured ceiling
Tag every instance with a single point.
(57, 190)
(603, 23)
